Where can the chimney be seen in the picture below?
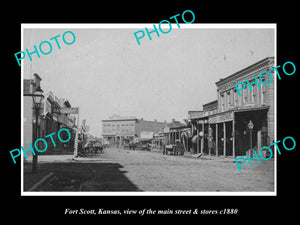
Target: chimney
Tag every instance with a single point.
(37, 82)
(155, 120)
(173, 120)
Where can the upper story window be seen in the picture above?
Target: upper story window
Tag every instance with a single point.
(263, 91)
(222, 102)
(235, 98)
(252, 94)
(228, 98)
(244, 95)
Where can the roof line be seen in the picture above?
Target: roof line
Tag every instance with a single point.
(242, 70)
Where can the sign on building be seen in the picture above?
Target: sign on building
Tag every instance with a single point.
(219, 118)
(166, 129)
(65, 110)
(195, 114)
(147, 134)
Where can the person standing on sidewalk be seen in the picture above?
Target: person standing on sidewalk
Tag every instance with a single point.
(164, 143)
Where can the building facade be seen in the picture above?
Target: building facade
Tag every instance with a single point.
(53, 122)
(29, 122)
(116, 129)
(48, 121)
(224, 123)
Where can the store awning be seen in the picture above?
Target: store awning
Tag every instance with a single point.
(252, 109)
(221, 117)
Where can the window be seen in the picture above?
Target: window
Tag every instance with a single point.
(228, 100)
(251, 94)
(244, 95)
(235, 98)
(241, 97)
(222, 102)
(255, 94)
(231, 98)
(263, 92)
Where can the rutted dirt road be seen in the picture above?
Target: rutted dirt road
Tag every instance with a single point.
(152, 171)
(133, 170)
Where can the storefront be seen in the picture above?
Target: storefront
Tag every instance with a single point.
(253, 138)
(199, 135)
(232, 125)
(222, 130)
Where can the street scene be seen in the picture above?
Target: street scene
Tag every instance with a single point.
(113, 116)
(136, 170)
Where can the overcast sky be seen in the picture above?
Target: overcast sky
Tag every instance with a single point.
(106, 72)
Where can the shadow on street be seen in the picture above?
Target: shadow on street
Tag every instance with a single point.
(80, 176)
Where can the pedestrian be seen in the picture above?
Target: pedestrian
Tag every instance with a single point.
(164, 142)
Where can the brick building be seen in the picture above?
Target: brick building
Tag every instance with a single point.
(224, 122)
(116, 128)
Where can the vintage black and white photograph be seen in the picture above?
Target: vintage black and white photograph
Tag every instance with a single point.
(186, 112)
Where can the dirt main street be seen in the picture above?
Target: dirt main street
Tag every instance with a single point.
(133, 170)
(152, 171)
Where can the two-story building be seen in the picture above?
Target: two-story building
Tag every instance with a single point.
(29, 121)
(116, 129)
(68, 121)
(48, 122)
(227, 119)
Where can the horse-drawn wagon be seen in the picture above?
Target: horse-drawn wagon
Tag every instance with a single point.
(175, 149)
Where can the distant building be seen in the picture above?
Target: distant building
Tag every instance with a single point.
(116, 129)
(172, 132)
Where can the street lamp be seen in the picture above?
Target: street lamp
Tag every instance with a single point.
(37, 98)
(250, 126)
